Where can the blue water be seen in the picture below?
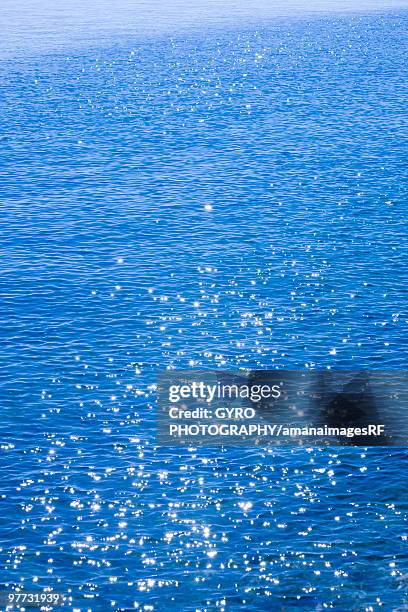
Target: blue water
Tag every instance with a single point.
(233, 197)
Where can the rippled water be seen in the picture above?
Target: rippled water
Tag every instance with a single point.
(232, 197)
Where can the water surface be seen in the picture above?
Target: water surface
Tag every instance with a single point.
(228, 197)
